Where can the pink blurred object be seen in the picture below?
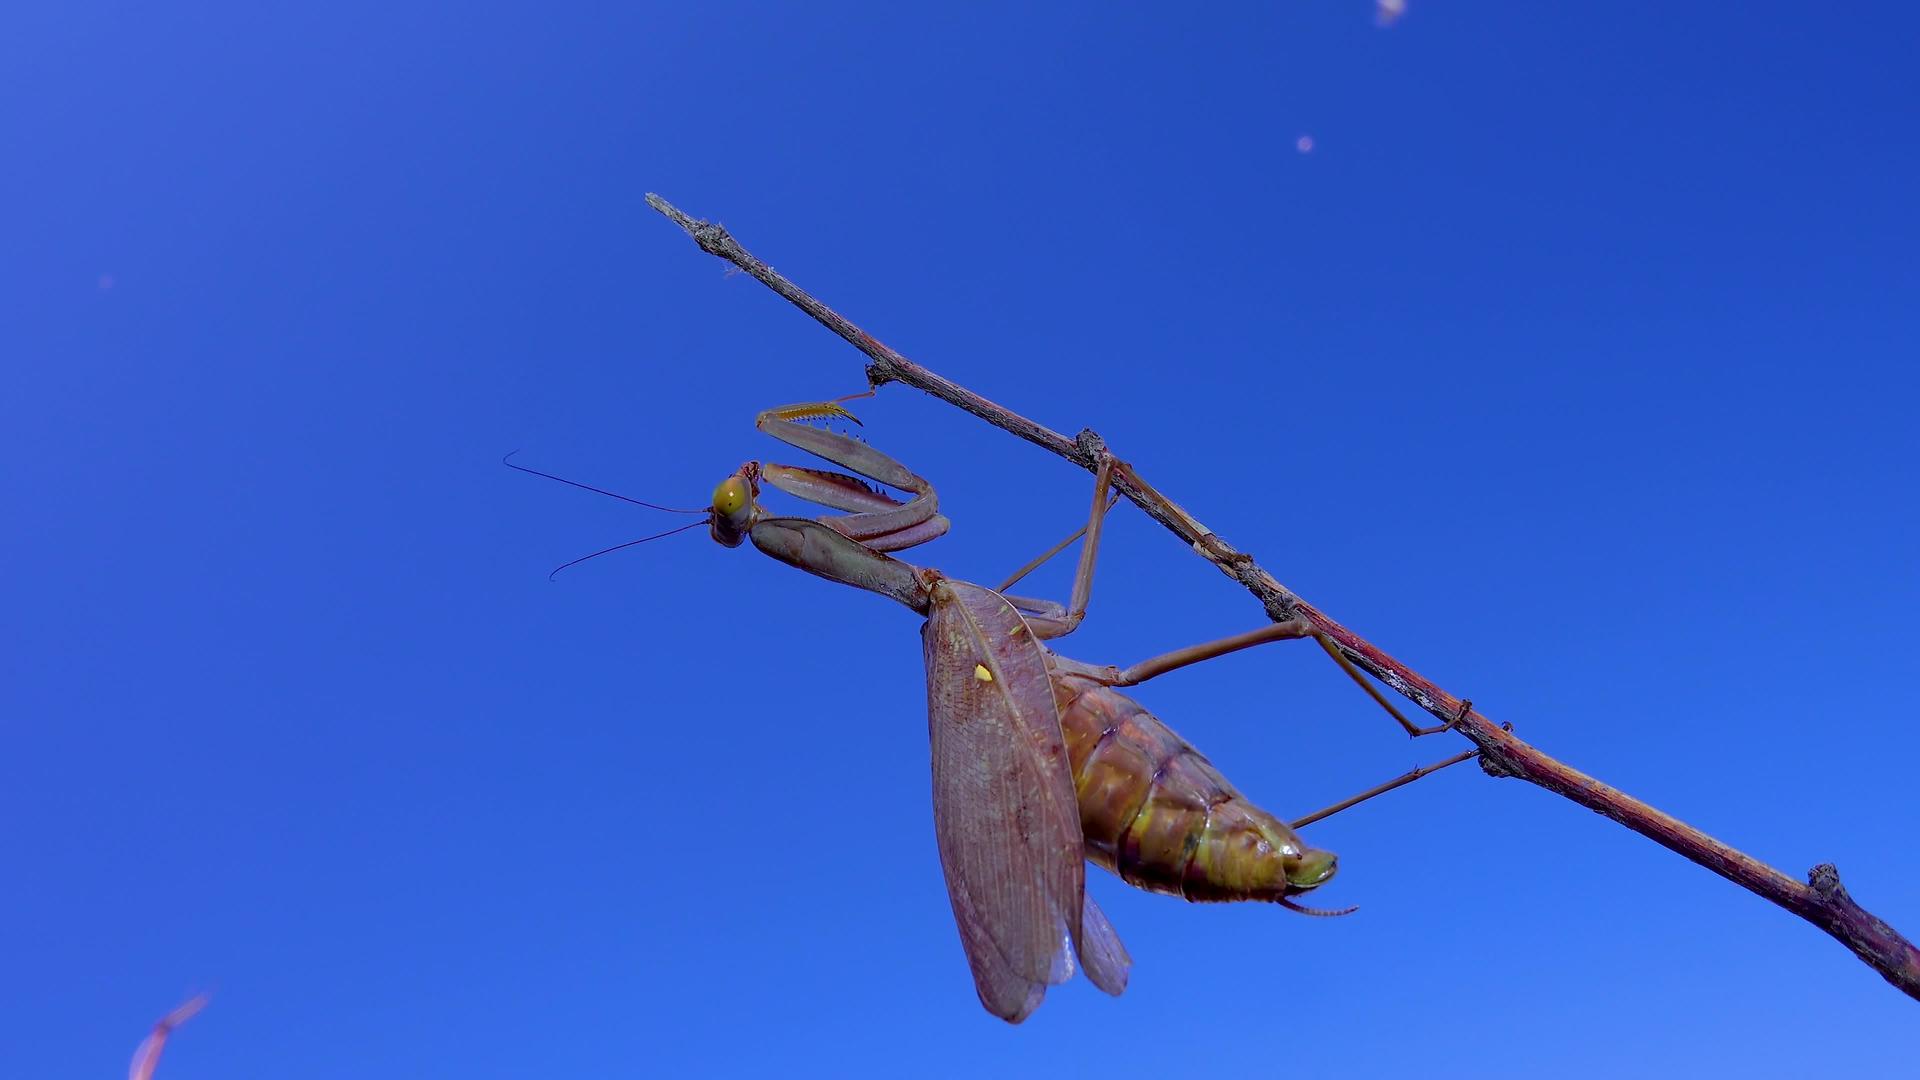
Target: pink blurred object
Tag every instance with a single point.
(148, 1055)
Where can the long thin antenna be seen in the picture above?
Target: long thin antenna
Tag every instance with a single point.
(628, 544)
(507, 461)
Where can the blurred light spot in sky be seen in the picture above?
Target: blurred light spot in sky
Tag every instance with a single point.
(1304, 144)
(1388, 12)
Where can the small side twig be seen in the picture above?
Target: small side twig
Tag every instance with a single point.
(1821, 901)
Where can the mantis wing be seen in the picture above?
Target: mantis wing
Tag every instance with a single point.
(1004, 807)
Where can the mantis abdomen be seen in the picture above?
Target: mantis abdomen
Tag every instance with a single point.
(1154, 811)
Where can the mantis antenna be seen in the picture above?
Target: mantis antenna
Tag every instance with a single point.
(508, 462)
(704, 514)
(628, 544)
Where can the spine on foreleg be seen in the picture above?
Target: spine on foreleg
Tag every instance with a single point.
(1156, 812)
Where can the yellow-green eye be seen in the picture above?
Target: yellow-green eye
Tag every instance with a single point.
(731, 496)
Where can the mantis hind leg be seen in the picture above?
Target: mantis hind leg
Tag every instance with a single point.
(1399, 781)
(1360, 679)
(1284, 631)
(1050, 619)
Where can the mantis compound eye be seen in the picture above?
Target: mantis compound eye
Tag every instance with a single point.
(732, 496)
(732, 510)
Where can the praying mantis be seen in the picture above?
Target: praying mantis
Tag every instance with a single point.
(1040, 764)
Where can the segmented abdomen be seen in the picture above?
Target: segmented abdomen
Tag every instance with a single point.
(1156, 812)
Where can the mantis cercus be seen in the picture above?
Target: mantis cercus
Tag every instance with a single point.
(1039, 764)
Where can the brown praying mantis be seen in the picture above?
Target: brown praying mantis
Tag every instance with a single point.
(1039, 764)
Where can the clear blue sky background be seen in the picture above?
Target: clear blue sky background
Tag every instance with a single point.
(1573, 364)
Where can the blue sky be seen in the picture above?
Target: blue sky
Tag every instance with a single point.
(1573, 364)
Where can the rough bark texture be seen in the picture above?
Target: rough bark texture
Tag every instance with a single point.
(1822, 900)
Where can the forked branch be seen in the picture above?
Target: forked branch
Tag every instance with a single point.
(1821, 900)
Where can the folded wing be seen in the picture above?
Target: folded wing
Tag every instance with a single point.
(1004, 807)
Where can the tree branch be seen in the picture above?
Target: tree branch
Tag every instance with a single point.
(1822, 901)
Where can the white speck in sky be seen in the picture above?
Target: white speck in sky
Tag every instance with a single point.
(1304, 144)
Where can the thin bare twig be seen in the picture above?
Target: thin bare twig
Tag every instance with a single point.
(1821, 901)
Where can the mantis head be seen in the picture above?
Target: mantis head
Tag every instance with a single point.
(734, 506)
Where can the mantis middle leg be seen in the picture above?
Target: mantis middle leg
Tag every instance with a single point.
(1049, 619)
(1283, 631)
(1192, 654)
